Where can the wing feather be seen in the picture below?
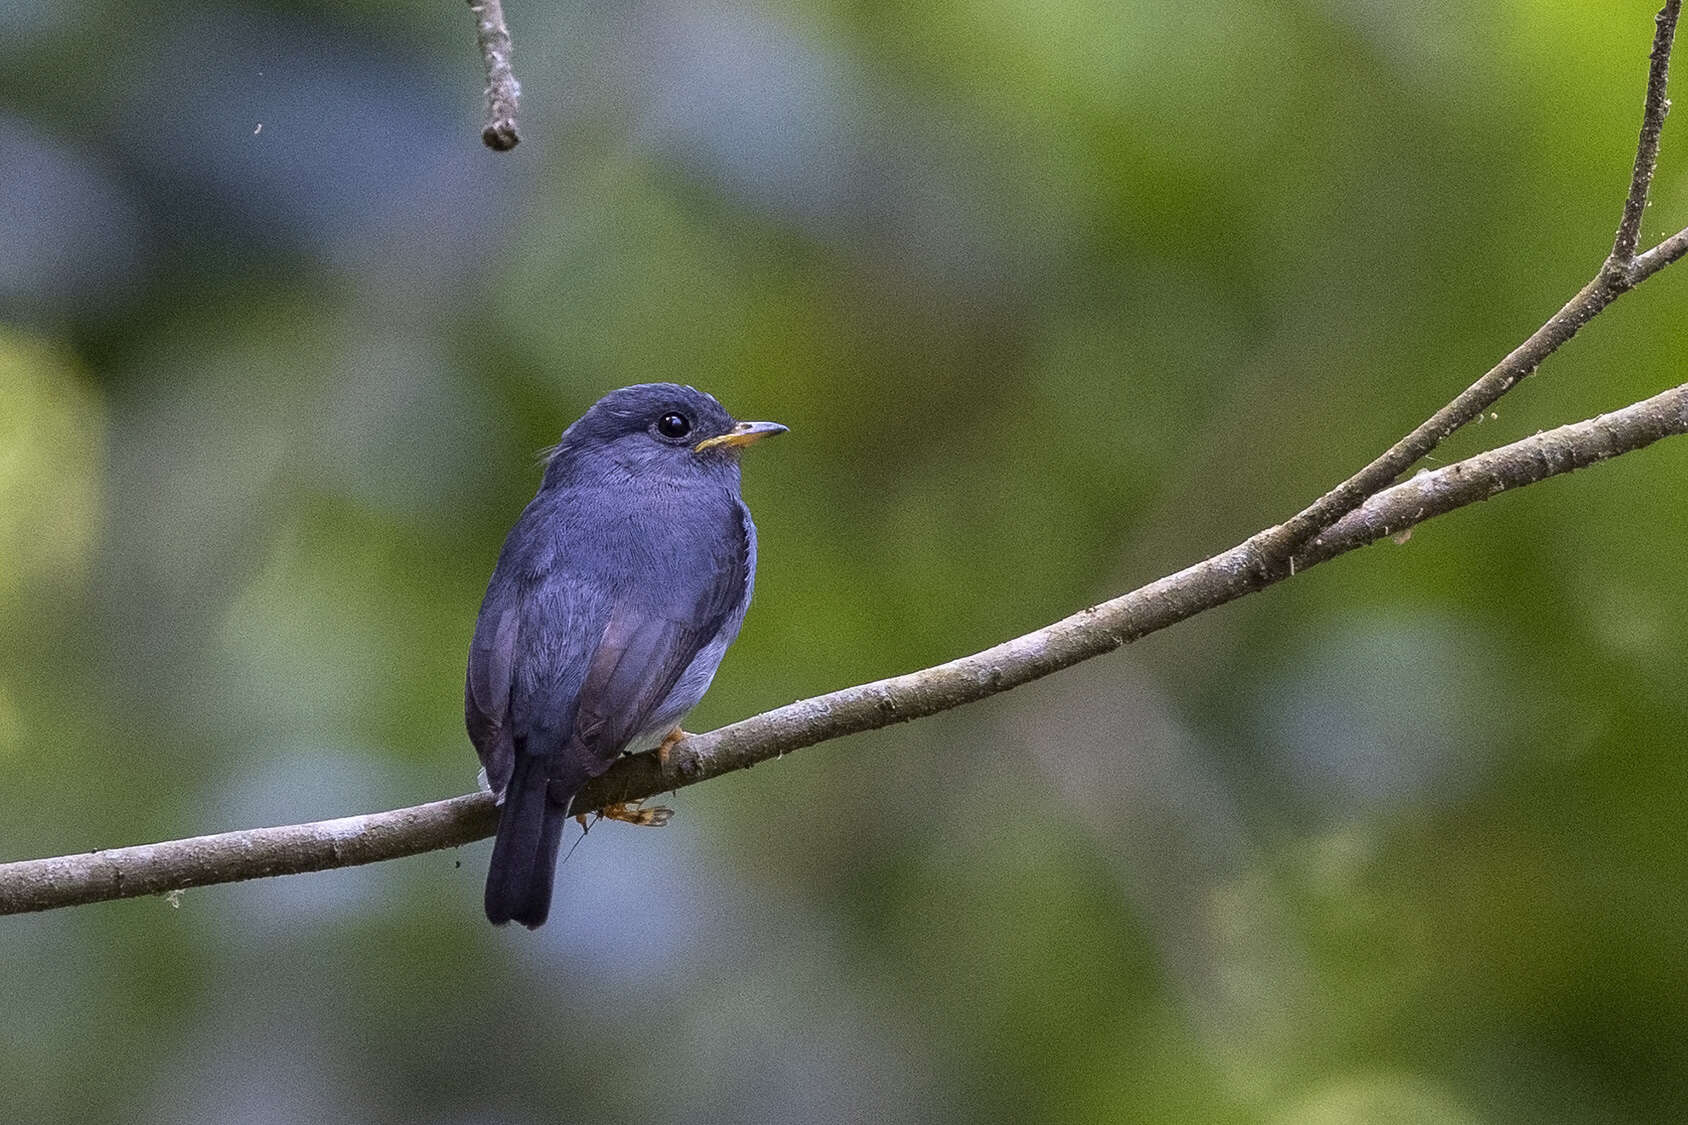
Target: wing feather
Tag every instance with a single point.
(486, 691)
(644, 650)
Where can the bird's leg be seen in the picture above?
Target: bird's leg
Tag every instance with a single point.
(654, 817)
(669, 741)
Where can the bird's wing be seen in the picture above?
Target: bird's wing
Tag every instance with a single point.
(486, 692)
(647, 644)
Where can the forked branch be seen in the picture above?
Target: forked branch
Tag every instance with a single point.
(1621, 272)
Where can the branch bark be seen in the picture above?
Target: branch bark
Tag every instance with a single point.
(1653, 111)
(44, 884)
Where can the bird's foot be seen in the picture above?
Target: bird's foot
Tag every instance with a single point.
(654, 817)
(669, 741)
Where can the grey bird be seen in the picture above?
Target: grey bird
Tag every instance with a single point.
(614, 599)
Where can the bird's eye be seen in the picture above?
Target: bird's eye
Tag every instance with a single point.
(673, 426)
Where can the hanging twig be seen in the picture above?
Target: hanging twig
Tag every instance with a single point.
(502, 89)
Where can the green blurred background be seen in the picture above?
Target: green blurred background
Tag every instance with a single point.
(1056, 297)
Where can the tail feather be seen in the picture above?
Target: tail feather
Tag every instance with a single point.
(524, 855)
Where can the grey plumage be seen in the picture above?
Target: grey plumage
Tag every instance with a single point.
(613, 601)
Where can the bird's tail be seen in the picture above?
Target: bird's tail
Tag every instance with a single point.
(524, 856)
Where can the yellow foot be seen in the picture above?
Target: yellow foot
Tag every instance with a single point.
(669, 741)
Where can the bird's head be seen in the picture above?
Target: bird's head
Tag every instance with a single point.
(655, 430)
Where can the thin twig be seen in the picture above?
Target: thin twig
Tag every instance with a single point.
(1617, 275)
(502, 89)
(45, 884)
(1670, 250)
(1653, 111)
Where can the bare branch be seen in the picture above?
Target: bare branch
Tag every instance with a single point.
(147, 869)
(45, 884)
(1653, 111)
(502, 89)
(1280, 545)
(1660, 256)
(1620, 273)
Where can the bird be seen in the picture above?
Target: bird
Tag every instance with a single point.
(613, 600)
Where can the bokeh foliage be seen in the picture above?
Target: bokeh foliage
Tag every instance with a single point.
(1055, 297)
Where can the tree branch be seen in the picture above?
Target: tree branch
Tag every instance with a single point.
(1620, 273)
(44, 884)
(502, 89)
(1653, 111)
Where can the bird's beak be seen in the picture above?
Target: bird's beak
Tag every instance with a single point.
(741, 435)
